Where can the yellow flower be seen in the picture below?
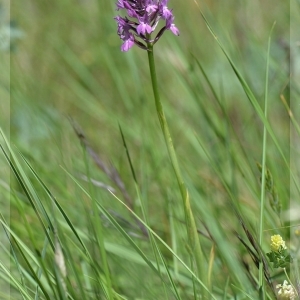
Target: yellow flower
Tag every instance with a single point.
(277, 242)
(286, 291)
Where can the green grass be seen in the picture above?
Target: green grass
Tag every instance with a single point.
(107, 205)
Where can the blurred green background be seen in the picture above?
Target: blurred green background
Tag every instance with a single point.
(67, 63)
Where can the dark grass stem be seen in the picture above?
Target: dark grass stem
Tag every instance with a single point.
(193, 238)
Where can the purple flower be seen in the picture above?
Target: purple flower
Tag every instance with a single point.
(124, 33)
(120, 4)
(174, 29)
(128, 43)
(143, 28)
(171, 26)
(141, 21)
(151, 8)
(166, 13)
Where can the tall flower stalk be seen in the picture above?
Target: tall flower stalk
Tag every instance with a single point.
(193, 237)
(137, 29)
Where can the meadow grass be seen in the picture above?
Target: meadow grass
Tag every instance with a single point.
(92, 208)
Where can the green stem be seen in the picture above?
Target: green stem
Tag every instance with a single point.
(193, 237)
(263, 172)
